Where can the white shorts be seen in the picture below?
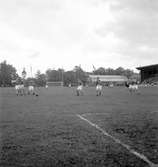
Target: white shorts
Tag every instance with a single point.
(98, 87)
(79, 87)
(31, 88)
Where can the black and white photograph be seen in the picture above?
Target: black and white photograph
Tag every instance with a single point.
(78, 83)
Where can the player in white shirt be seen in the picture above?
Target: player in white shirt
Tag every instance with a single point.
(98, 88)
(79, 89)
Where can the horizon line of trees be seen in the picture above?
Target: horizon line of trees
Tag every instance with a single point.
(8, 73)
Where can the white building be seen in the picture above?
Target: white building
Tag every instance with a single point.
(108, 79)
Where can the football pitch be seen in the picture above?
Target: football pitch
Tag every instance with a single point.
(59, 129)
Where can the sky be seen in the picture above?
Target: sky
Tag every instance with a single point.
(42, 34)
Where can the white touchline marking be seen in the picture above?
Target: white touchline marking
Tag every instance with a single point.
(94, 114)
(154, 112)
(141, 156)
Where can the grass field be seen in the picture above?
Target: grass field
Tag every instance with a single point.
(45, 131)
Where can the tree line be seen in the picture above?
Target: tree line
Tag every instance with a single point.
(8, 74)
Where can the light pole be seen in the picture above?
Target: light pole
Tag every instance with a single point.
(24, 74)
(62, 76)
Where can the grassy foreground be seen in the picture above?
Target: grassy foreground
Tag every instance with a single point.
(44, 131)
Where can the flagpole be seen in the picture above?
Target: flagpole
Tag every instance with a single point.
(31, 71)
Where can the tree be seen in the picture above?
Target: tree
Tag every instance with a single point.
(100, 71)
(110, 71)
(129, 73)
(40, 79)
(7, 74)
(55, 75)
(52, 75)
(30, 81)
(120, 71)
(61, 74)
(69, 77)
(80, 74)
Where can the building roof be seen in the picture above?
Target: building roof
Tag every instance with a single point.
(109, 78)
(144, 67)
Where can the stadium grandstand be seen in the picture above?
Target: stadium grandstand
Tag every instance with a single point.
(108, 79)
(149, 74)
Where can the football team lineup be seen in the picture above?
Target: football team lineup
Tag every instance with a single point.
(117, 128)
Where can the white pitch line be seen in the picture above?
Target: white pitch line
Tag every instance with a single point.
(141, 156)
(154, 112)
(94, 114)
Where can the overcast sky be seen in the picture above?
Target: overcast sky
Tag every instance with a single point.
(64, 33)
